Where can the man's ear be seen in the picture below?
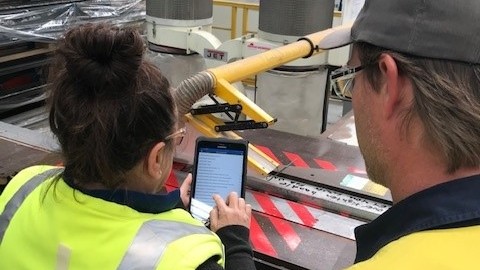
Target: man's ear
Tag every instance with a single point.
(154, 166)
(393, 85)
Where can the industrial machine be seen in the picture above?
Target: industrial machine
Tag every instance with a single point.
(294, 92)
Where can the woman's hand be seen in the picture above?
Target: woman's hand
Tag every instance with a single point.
(185, 190)
(234, 211)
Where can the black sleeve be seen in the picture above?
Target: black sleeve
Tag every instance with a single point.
(238, 253)
(210, 264)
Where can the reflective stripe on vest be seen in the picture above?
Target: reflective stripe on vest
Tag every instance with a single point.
(152, 239)
(17, 199)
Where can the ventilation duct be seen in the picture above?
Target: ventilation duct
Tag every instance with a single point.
(294, 17)
(170, 11)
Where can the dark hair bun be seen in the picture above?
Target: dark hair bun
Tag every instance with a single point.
(103, 58)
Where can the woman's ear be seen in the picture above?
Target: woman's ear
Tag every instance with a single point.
(154, 164)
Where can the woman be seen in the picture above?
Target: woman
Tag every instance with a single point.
(116, 122)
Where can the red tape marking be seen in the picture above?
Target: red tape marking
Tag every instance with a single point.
(267, 204)
(356, 170)
(326, 165)
(268, 152)
(259, 240)
(172, 182)
(276, 217)
(302, 212)
(296, 160)
(286, 231)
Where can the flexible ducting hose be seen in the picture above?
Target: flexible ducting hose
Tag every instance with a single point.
(192, 89)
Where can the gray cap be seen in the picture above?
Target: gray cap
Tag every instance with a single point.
(441, 29)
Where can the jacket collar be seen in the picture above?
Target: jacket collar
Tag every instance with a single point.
(142, 202)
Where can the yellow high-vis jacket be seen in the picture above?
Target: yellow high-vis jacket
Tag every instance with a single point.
(434, 249)
(49, 225)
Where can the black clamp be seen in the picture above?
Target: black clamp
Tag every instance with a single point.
(313, 48)
(228, 109)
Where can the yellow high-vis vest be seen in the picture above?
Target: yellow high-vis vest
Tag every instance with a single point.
(443, 249)
(49, 225)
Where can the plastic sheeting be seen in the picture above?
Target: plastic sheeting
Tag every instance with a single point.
(45, 21)
(48, 22)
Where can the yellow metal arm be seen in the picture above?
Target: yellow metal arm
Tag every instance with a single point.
(245, 68)
(222, 77)
(236, 71)
(230, 94)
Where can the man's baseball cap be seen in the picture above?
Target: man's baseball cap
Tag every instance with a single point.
(441, 29)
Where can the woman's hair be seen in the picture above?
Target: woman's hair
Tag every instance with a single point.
(108, 105)
(446, 100)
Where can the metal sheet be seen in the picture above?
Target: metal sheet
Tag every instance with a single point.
(342, 157)
(321, 172)
(316, 249)
(14, 157)
(343, 131)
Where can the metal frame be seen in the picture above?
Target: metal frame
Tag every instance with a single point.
(234, 5)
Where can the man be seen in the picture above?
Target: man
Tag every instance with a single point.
(414, 79)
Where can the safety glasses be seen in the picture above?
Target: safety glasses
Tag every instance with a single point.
(342, 81)
(177, 136)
